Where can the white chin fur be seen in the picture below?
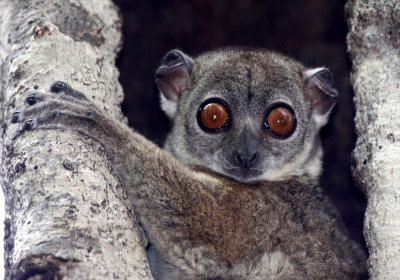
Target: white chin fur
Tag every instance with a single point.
(168, 106)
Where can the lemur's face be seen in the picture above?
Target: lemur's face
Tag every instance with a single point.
(247, 115)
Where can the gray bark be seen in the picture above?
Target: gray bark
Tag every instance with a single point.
(65, 211)
(373, 43)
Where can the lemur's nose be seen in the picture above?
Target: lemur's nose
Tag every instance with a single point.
(245, 160)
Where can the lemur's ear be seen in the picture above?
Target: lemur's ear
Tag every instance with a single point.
(321, 93)
(172, 77)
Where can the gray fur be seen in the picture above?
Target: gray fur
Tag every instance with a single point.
(206, 223)
(234, 75)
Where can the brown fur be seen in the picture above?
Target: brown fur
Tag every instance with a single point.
(201, 224)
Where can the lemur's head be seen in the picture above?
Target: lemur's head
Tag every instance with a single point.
(250, 115)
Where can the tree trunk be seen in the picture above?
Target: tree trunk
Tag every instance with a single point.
(374, 43)
(66, 217)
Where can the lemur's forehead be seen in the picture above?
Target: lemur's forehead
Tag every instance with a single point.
(248, 72)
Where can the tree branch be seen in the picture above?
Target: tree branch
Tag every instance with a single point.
(373, 43)
(65, 211)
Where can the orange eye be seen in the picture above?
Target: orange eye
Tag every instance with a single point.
(214, 115)
(281, 121)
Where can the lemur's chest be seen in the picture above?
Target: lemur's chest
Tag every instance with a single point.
(241, 224)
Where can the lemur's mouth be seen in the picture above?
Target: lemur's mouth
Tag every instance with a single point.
(244, 175)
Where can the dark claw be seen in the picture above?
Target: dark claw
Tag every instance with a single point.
(33, 98)
(62, 87)
(28, 124)
(59, 87)
(15, 116)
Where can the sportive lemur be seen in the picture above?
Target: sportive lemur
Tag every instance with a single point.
(235, 194)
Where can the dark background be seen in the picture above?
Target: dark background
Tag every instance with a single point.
(312, 31)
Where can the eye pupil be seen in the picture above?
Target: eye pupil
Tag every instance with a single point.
(281, 121)
(214, 115)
